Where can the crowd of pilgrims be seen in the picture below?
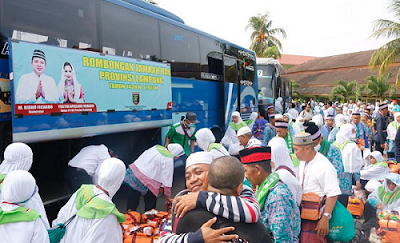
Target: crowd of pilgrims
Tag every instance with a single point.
(250, 187)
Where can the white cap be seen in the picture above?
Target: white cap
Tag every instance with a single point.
(243, 131)
(199, 158)
(278, 117)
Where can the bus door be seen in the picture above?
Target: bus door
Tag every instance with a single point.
(231, 87)
(5, 97)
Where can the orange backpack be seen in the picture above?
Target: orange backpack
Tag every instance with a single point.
(355, 206)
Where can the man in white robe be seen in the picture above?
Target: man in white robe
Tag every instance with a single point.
(36, 87)
(19, 224)
(92, 224)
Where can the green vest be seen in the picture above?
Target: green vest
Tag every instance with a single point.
(214, 146)
(388, 197)
(341, 146)
(164, 151)
(236, 127)
(383, 164)
(17, 215)
(96, 208)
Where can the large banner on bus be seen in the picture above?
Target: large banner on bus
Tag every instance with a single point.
(51, 79)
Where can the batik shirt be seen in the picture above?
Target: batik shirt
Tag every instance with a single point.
(269, 133)
(281, 215)
(335, 157)
(361, 132)
(348, 182)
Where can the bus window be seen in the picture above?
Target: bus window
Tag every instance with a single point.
(266, 82)
(247, 71)
(55, 22)
(129, 33)
(211, 59)
(231, 70)
(180, 47)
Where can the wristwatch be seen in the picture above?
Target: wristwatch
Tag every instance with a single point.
(328, 215)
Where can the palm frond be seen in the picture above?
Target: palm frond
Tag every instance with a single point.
(386, 28)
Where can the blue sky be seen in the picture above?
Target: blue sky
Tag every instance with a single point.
(314, 27)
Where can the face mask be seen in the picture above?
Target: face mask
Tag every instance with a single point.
(191, 125)
(316, 148)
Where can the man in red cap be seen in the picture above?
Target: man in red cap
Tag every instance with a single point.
(279, 211)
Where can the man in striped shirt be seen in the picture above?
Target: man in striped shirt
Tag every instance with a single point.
(239, 209)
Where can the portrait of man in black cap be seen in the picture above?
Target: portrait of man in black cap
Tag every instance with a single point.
(37, 87)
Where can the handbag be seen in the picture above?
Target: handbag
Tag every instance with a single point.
(57, 233)
(310, 206)
(341, 225)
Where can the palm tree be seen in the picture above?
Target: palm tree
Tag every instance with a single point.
(272, 52)
(360, 90)
(379, 86)
(293, 86)
(386, 54)
(345, 89)
(263, 36)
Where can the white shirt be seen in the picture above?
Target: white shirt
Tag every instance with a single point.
(89, 158)
(27, 87)
(23, 232)
(82, 230)
(319, 176)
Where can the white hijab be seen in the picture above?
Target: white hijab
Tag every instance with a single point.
(111, 175)
(18, 187)
(280, 153)
(17, 156)
(175, 149)
(280, 156)
(378, 156)
(351, 154)
(318, 120)
(77, 85)
(345, 134)
(339, 120)
(236, 113)
(204, 137)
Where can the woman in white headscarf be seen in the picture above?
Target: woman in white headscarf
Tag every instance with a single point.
(19, 224)
(154, 169)
(230, 138)
(206, 141)
(339, 121)
(283, 165)
(376, 169)
(69, 88)
(97, 221)
(351, 156)
(19, 156)
(298, 125)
